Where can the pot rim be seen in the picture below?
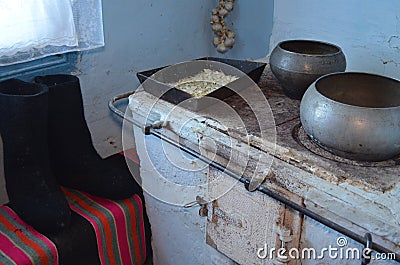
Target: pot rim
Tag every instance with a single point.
(314, 85)
(340, 51)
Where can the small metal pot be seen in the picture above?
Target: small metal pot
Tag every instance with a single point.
(354, 115)
(298, 63)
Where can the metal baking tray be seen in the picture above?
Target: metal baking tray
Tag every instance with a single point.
(157, 81)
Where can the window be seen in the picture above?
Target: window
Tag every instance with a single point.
(63, 63)
(35, 29)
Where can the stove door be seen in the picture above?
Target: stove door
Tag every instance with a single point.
(247, 226)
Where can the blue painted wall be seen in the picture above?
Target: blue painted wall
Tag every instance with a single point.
(139, 35)
(252, 22)
(143, 34)
(367, 31)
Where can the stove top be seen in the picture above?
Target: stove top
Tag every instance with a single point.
(363, 196)
(297, 149)
(303, 139)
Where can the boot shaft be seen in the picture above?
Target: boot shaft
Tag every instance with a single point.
(23, 122)
(78, 165)
(67, 124)
(31, 187)
(19, 100)
(65, 94)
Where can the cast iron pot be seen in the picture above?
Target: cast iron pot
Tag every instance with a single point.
(298, 63)
(354, 115)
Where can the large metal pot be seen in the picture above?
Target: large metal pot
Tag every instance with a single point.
(354, 115)
(298, 63)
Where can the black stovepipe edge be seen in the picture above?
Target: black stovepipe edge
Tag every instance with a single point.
(151, 129)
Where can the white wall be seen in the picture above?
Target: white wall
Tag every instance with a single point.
(368, 31)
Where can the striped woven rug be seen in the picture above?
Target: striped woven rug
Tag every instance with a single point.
(118, 226)
(131, 155)
(20, 244)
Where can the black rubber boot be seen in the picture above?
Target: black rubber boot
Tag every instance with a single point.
(74, 160)
(32, 190)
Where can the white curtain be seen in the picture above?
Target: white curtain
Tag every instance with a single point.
(33, 29)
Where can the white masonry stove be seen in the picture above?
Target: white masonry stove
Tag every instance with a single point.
(361, 197)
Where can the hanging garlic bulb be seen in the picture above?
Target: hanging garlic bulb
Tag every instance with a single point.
(217, 27)
(214, 19)
(229, 6)
(222, 48)
(229, 42)
(217, 41)
(230, 34)
(223, 12)
(225, 38)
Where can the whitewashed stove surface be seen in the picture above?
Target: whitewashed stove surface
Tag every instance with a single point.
(362, 197)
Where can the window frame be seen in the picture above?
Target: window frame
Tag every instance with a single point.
(60, 63)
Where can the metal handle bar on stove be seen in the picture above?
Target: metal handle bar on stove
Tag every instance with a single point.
(146, 128)
(152, 129)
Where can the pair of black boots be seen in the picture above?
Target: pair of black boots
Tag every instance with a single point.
(46, 142)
